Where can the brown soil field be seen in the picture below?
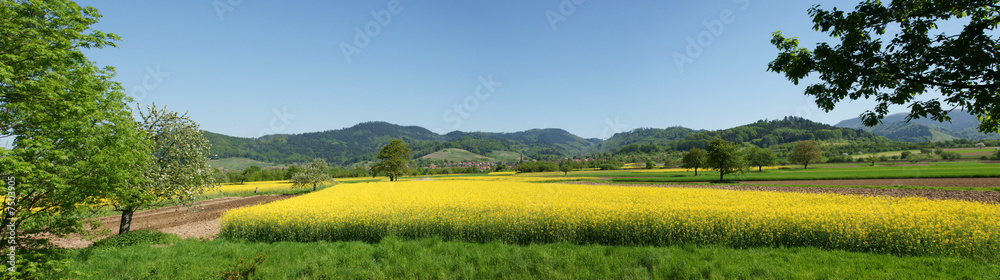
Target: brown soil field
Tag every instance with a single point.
(929, 182)
(201, 221)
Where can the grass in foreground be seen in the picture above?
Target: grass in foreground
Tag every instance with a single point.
(392, 258)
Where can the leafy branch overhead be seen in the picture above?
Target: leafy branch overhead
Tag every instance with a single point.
(893, 68)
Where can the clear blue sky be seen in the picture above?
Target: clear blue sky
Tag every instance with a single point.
(607, 66)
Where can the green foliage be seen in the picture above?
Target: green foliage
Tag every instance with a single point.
(963, 66)
(695, 158)
(395, 158)
(75, 140)
(137, 237)
(724, 157)
(539, 166)
(806, 152)
(566, 166)
(313, 174)
(177, 167)
(760, 157)
(950, 155)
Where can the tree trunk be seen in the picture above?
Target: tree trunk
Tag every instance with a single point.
(721, 173)
(805, 165)
(314, 186)
(696, 172)
(126, 222)
(760, 168)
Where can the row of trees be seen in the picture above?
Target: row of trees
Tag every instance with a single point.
(727, 158)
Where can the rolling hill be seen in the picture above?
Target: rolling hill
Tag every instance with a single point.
(762, 133)
(455, 155)
(361, 143)
(962, 125)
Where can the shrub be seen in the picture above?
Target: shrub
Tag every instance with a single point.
(137, 237)
(951, 155)
(905, 155)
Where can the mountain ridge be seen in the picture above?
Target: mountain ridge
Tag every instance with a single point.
(963, 125)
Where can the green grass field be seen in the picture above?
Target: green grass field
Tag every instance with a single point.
(815, 172)
(238, 163)
(455, 155)
(505, 156)
(393, 258)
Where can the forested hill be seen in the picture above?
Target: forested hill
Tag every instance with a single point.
(341, 146)
(644, 136)
(762, 133)
(962, 125)
(361, 143)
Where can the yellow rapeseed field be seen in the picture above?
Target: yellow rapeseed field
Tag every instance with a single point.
(260, 186)
(512, 209)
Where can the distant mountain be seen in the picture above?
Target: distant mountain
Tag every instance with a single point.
(962, 125)
(762, 133)
(341, 146)
(644, 136)
(361, 143)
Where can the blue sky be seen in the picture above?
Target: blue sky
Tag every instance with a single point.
(250, 67)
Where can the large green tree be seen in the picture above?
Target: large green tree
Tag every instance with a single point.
(178, 170)
(806, 152)
(896, 51)
(760, 157)
(313, 174)
(694, 158)
(725, 157)
(74, 138)
(394, 160)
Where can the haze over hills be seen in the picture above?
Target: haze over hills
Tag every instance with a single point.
(962, 125)
(360, 143)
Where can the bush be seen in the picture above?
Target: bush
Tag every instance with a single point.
(905, 155)
(951, 155)
(840, 159)
(137, 237)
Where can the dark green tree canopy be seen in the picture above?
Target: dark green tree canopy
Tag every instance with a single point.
(725, 157)
(395, 160)
(694, 158)
(893, 68)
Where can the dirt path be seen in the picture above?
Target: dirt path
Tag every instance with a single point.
(977, 196)
(200, 222)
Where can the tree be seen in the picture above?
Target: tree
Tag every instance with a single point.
(394, 160)
(292, 170)
(760, 157)
(313, 174)
(178, 169)
(964, 66)
(694, 158)
(872, 158)
(565, 167)
(650, 164)
(724, 157)
(74, 139)
(249, 174)
(806, 152)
